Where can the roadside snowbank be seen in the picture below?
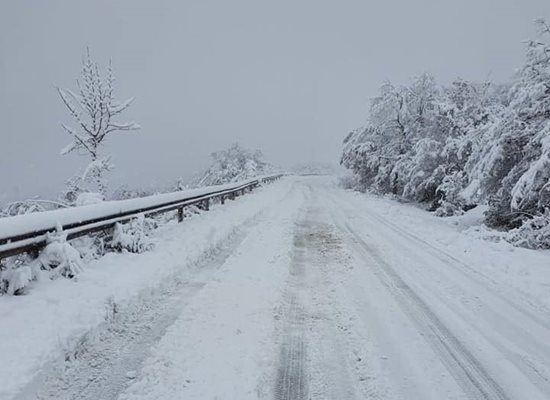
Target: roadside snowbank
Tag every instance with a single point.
(39, 327)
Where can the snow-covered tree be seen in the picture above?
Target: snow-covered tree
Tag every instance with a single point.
(234, 164)
(515, 168)
(468, 143)
(94, 110)
(390, 152)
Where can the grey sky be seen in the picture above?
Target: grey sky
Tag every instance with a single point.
(288, 77)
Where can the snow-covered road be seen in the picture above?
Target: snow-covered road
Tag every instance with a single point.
(328, 294)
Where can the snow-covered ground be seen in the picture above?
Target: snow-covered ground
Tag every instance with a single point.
(56, 317)
(299, 291)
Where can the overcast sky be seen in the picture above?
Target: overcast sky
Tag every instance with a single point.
(290, 77)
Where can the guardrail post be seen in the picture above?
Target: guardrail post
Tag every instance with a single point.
(222, 199)
(207, 204)
(180, 214)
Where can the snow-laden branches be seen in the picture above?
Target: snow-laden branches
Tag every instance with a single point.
(93, 108)
(234, 164)
(460, 145)
(29, 206)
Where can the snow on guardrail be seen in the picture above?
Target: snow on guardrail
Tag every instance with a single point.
(22, 231)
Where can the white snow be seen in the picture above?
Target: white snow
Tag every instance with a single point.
(88, 199)
(492, 298)
(330, 293)
(20, 224)
(363, 334)
(56, 315)
(222, 344)
(522, 269)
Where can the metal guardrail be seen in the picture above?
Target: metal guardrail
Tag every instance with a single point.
(35, 240)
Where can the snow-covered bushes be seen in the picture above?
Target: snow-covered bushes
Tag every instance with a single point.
(59, 257)
(234, 164)
(534, 233)
(63, 259)
(451, 201)
(133, 236)
(21, 208)
(29, 206)
(16, 274)
(348, 181)
(456, 146)
(125, 193)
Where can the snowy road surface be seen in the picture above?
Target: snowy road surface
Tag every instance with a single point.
(328, 294)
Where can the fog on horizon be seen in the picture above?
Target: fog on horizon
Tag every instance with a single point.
(288, 78)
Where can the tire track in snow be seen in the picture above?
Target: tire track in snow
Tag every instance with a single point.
(472, 377)
(338, 362)
(520, 321)
(103, 367)
(316, 352)
(474, 274)
(291, 380)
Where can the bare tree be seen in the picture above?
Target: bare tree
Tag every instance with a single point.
(94, 108)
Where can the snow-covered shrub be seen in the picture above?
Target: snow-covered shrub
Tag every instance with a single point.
(448, 209)
(134, 236)
(90, 247)
(14, 280)
(16, 273)
(234, 164)
(125, 193)
(534, 233)
(21, 208)
(59, 257)
(29, 206)
(348, 181)
(450, 193)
